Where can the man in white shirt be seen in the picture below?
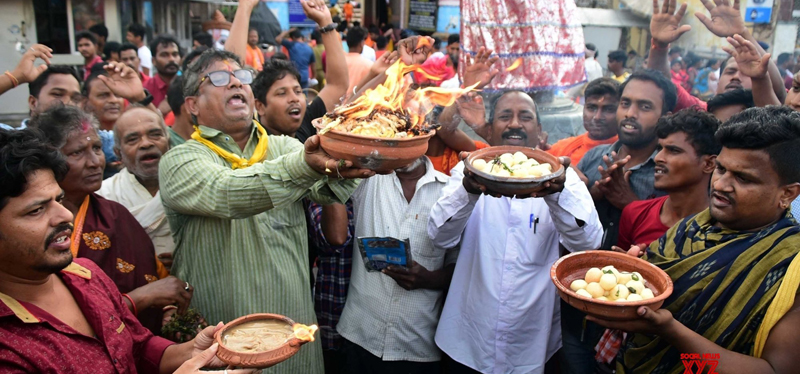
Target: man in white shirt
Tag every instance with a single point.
(135, 36)
(502, 311)
(140, 141)
(390, 317)
(593, 68)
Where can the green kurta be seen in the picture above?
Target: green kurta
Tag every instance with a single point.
(240, 235)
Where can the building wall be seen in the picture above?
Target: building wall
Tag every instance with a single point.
(17, 18)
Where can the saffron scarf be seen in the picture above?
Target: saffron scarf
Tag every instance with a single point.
(724, 283)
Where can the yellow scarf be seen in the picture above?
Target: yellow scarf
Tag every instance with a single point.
(236, 161)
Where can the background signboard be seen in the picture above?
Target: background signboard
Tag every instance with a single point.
(422, 15)
(758, 11)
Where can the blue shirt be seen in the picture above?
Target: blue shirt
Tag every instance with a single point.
(302, 56)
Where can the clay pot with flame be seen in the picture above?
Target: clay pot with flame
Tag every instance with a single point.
(302, 334)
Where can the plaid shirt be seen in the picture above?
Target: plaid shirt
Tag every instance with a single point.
(333, 275)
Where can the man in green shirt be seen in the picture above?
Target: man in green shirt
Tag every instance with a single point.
(233, 200)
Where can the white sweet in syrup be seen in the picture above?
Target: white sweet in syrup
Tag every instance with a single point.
(609, 284)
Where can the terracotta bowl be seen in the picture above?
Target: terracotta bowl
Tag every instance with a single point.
(575, 265)
(382, 155)
(509, 186)
(257, 359)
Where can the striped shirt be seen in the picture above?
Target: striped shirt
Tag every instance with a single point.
(380, 316)
(240, 235)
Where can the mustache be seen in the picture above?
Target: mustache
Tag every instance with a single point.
(172, 64)
(725, 195)
(630, 121)
(59, 229)
(512, 132)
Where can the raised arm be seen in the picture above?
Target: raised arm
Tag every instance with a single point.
(666, 28)
(726, 21)
(237, 39)
(754, 66)
(25, 72)
(337, 74)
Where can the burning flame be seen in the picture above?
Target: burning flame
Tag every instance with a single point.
(395, 96)
(303, 332)
(514, 65)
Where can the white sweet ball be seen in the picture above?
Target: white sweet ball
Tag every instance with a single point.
(636, 285)
(619, 292)
(595, 290)
(583, 293)
(507, 158)
(578, 284)
(593, 275)
(647, 294)
(479, 164)
(634, 297)
(608, 281)
(602, 298)
(624, 277)
(519, 157)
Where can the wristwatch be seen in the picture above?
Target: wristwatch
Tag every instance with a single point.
(328, 28)
(148, 98)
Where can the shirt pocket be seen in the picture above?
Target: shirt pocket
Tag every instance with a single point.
(534, 243)
(286, 218)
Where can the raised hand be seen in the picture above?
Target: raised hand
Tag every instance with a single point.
(318, 11)
(750, 62)
(413, 51)
(123, 81)
(25, 72)
(725, 20)
(383, 63)
(665, 26)
(480, 70)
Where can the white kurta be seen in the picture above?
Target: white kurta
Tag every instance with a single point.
(148, 210)
(502, 311)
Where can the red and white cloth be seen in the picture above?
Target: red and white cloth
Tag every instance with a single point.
(609, 345)
(546, 34)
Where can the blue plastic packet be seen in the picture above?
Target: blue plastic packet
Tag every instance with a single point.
(379, 253)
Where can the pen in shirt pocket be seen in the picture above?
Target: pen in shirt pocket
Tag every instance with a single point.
(534, 222)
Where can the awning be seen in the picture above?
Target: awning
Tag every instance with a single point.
(611, 18)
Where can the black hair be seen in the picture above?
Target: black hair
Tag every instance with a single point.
(677, 50)
(356, 23)
(711, 62)
(191, 76)
(280, 56)
(137, 29)
(601, 87)
(618, 55)
(204, 39)
(676, 61)
(111, 47)
(784, 57)
(699, 126)
(128, 47)
(437, 43)
(23, 152)
(191, 56)
(632, 52)
(175, 96)
(85, 35)
(59, 121)
(381, 42)
(738, 96)
(355, 36)
(87, 85)
(35, 87)
(496, 98)
(591, 47)
(99, 29)
(295, 34)
(317, 36)
(453, 38)
(373, 29)
(164, 40)
(274, 70)
(773, 129)
(668, 90)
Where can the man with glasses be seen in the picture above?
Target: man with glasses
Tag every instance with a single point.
(47, 84)
(233, 200)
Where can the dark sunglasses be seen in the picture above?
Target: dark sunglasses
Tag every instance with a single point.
(221, 78)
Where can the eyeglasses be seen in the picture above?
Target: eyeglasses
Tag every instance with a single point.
(221, 78)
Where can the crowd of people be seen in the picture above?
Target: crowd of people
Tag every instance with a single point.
(154, 190)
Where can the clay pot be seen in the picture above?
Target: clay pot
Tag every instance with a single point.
(510, 186)
(574, 266)
(382, 155)
(257, 359)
